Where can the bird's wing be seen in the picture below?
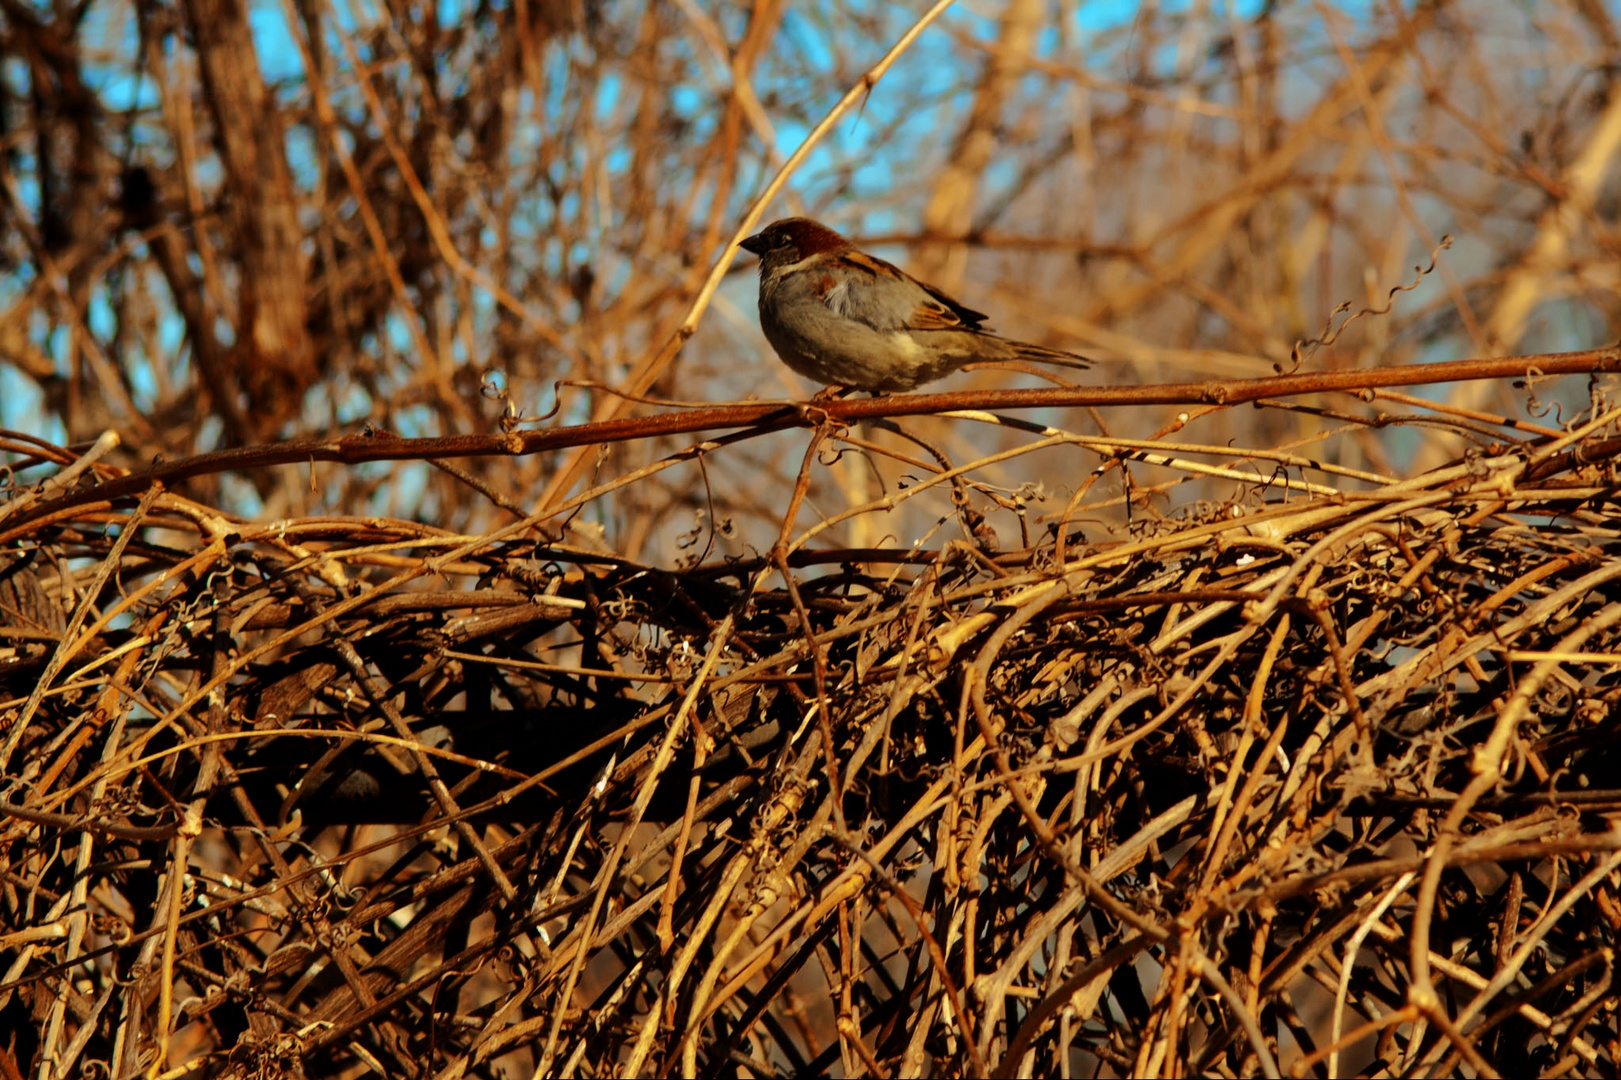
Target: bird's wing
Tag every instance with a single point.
(934, 309)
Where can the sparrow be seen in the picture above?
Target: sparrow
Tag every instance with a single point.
(846, 318)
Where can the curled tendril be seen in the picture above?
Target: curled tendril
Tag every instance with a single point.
(511, 416)
(1331, 333)
(1533, 404)
(517, 414)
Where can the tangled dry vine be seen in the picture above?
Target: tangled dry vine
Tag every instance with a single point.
(1327, 757)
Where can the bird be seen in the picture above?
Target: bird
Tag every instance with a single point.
(854, 321)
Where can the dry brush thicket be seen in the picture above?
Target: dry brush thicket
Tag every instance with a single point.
(1149, 734)
(335, 793)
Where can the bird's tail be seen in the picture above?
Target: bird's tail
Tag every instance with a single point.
(1040, 354)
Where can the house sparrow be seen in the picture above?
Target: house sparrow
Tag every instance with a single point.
(842, 317)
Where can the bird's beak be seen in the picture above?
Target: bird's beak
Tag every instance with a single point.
(755, 243)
